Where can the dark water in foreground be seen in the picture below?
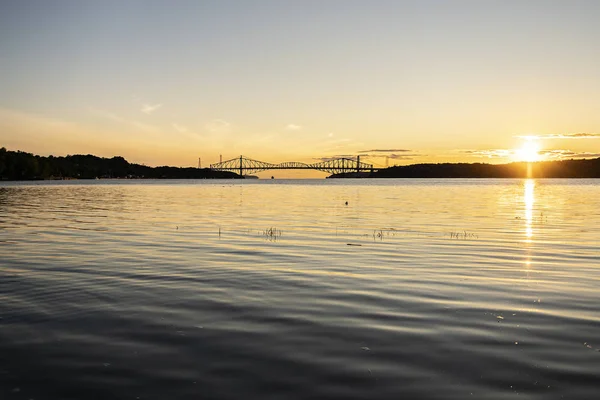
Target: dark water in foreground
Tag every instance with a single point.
(429, 289)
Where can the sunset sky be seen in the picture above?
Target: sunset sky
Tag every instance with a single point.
(399, 82)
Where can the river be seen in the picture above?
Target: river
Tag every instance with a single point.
(297, 289)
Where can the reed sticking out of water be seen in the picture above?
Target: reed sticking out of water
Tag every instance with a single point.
(378, 235)
(463, 235)
(272, 233)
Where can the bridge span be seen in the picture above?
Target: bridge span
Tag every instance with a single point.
(243, 165)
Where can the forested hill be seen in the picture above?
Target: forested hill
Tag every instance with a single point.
(18, 165)
(544, 169)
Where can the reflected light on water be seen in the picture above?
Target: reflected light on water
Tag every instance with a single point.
(175, 289)
(529, 199)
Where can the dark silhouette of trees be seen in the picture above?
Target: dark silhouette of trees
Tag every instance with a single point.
(18, 165)
(544, 169)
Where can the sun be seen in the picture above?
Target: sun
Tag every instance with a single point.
(528, 152)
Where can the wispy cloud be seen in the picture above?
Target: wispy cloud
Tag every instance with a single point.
(217, 125)
(393, 156)
(119, 119)
(179, 128)
(293, 127)
(553, 154)
(390, 154)
(149, 108)
(405, 156)
(334, 157)
(489, 153)
(562, 154)
(561, 136)
(385, 151)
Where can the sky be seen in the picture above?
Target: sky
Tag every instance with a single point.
(398, 82)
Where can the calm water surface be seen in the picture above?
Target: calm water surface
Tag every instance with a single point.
(429, 289)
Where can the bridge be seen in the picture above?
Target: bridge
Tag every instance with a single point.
(243, 165)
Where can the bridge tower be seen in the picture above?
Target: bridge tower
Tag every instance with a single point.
(357, 163)
(241, 166)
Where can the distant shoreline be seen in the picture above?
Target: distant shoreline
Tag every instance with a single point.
(22, 166)
(575, 169)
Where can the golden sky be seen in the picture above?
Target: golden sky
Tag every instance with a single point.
(396, 82)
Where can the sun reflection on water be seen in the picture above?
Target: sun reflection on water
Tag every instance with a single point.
(529, 199)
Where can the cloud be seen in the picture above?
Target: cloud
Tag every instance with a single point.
(561, 136)
(385, 151)
(119, 119)
(555, 154)
(179, 128)
(394, 156)
(217, 125)
(388, 154)
(490, 153)
(335, 157)
(293, 127)
(562, 154)
(149, 109)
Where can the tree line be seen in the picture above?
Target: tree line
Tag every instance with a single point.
(19, 165)
(542, 169)
(589, 168)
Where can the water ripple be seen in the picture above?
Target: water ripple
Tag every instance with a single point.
(415, 289)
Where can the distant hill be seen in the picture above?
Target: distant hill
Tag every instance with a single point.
(18, 165)
(544, 169)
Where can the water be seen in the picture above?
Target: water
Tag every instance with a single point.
(430, 289)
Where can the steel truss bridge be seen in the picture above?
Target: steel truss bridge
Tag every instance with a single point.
(243, 165)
